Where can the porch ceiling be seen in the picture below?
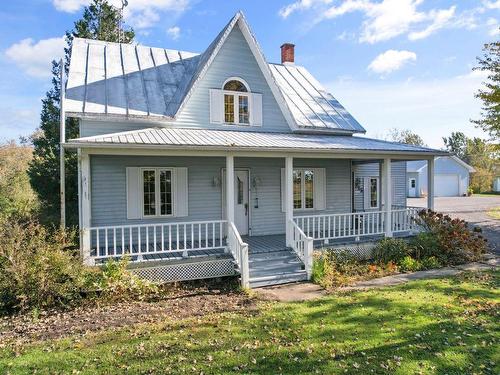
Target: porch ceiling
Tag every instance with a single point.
(229, 140)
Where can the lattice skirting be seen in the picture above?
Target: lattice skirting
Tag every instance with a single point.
(187, 271)
(362, 250)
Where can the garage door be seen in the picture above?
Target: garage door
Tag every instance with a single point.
(446, 185)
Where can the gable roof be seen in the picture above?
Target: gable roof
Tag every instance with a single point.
(419, 165)
(127, 81)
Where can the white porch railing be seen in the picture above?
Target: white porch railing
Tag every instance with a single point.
(405, 220)
(239, 250)
(303, 246)
(155, 239)
(356, 224)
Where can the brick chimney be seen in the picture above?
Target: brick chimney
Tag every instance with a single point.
(288, 53)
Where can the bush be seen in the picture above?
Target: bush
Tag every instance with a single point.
(117, 283)
(408, 264)
(456, 242)
(38, 268)
(390, 250)
(430, 263)
(426, 245)
(334, 268)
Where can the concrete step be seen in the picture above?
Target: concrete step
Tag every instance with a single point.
(258, 282)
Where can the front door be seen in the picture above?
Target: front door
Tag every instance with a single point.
(241, 201)
(412, 187)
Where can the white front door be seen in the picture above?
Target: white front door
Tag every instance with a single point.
(412, 187)
(241, 206)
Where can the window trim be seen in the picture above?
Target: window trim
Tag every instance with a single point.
(303, 190)
(236, 101)
(157, 171)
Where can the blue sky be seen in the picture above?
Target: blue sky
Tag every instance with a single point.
(392, 63)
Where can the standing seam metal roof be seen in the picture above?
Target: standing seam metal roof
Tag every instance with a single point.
(135, 81)
(205, 138)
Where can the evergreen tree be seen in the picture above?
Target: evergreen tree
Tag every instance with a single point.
(490, 96)
(100, 21)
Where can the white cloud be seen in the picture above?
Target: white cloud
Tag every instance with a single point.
(35, 58)
(69, 6)
(391, 60)
(174, 32)
(139, 13)
(386, 19)
(440, 19)
(493, 26)
(492, 4)
(431, 108)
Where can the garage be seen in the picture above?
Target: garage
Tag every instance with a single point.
(451, 177)
(446, 185)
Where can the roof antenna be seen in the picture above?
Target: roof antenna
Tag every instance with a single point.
(120, 20)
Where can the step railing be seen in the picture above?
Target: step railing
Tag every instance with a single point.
(302, 245)
(239, 250)
(138, 240)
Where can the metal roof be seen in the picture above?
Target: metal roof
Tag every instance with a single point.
(237, 140)
(135, 81)
(418, 165)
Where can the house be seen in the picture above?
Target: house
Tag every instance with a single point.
(451, 177)
(203, 165)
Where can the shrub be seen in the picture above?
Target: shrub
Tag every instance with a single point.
(116, 282)
(390, 250)
(430, 263)
(457, 243)
(38, 268)
(334, 268)
(408, 264)
(426, 245)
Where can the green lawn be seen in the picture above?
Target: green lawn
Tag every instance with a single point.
(445, 326)
(494, 213)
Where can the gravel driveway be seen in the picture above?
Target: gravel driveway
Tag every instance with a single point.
(471, 209)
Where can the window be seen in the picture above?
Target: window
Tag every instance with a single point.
(413, 183)
(157, 192)
(303, 189)
(236, 102)
(373, 192)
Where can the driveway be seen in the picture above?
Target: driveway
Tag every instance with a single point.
(471, 209)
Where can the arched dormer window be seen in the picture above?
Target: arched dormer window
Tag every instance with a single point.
(236, 101)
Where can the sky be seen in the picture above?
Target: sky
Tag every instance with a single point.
(403, 64)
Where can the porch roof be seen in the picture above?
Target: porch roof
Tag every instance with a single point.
(230, 140)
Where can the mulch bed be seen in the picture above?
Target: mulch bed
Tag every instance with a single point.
(179, 301)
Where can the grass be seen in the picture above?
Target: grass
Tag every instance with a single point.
(494, 213)
(487, 194)
(439, 326)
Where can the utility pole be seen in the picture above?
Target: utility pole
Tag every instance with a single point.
(62, 140)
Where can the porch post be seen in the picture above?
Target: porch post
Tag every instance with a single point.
(289, 199)
(430, 184)
(85, 208)
(230, 188)
(387, 191)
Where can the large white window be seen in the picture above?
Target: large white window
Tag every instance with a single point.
(236, 102)
(157, 192)
(303, 189)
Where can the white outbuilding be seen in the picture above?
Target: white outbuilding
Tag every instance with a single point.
(451, 177)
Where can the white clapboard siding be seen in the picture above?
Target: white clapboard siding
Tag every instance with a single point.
(216, 106)
(256, 109)
(181, 192)
(133, 193)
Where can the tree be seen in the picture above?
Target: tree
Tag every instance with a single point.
(457, 144)
(100, 21)
(17, 198)
(481, 156)
(490, 95)
(405, 136)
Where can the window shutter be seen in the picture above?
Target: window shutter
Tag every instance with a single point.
(181, 192)
(256, 108)
(133, 193)
(319, 189)
(283, 203)
(216, 106)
